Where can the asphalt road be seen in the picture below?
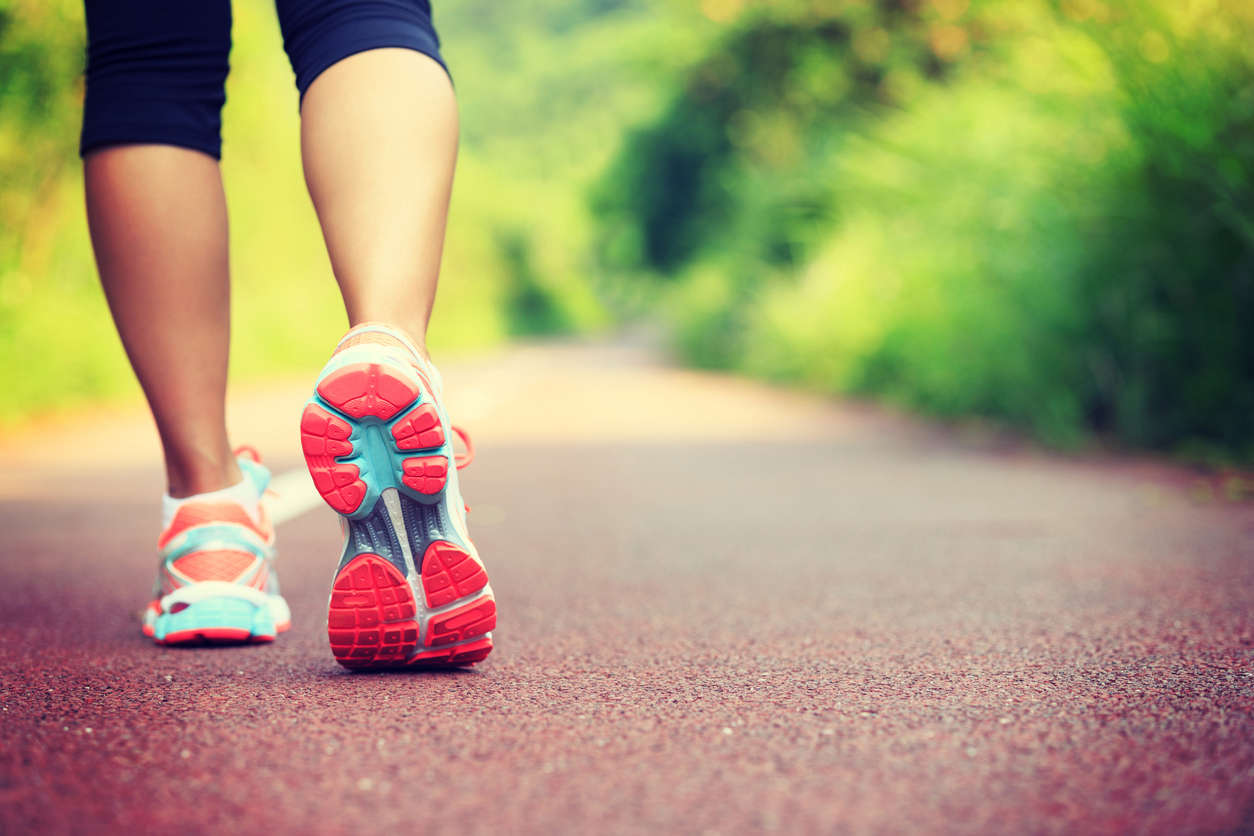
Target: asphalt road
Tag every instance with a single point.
(724, 608)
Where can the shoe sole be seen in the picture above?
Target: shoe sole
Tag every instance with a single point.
(409, 590)
(217, 620)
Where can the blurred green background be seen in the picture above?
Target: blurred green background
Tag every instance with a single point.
(1033, 211)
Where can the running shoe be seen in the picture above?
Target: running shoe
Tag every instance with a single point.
(216, 581)
(409, 589)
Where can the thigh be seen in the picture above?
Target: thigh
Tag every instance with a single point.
(318, 33)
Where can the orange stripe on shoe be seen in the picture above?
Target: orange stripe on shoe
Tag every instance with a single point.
(193, 514)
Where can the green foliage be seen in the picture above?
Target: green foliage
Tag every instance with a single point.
(39, 90)
(45, 260)
(546, 89)
(1040, 214)
(729, 159)
(1038, 211)
(1172, 338)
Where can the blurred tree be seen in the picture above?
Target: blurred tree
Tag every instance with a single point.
(1171, 280)
(1041, 211)
(41, 59)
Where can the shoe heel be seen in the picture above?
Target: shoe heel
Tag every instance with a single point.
(375, 390)
(216, 621)
(360, 432)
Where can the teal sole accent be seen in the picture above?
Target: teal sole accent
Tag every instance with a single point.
(216, 614)
(379, 462)
(255, 472)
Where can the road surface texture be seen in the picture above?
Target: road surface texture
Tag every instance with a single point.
(724, 608)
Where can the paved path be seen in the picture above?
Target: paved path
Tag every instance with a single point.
(724, 608)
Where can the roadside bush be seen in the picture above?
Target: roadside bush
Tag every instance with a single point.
(1051, 227)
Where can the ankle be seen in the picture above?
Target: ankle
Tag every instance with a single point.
(243, 493)
(199, 475)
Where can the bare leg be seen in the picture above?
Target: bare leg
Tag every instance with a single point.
(379, 139)
(158, 225)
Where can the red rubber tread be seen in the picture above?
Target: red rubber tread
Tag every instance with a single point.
(426, 475)
(323, 434)
(449, 573)
(371, 621)
(323, 437)
(463, 623)
(212, 634)
(362, 389)
(419, 430)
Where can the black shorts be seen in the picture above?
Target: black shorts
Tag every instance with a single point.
(156, 69)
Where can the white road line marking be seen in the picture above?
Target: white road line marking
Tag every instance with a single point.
(294, 494)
